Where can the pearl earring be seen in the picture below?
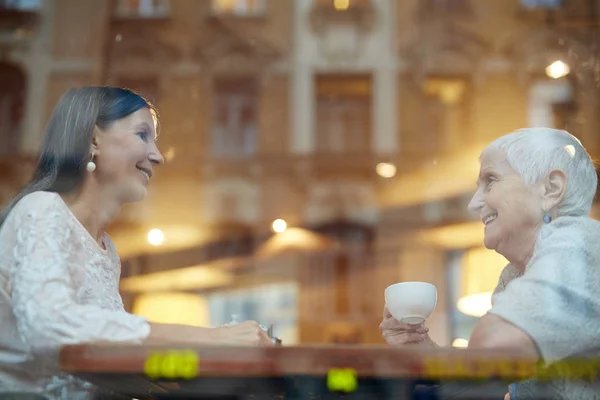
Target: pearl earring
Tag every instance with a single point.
(91, 165)
(547, 218)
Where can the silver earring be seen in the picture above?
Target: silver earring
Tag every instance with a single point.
(91, 165)
(547, 217)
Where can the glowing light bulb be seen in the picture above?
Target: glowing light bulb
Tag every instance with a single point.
(279, 226)
(156, 237)
(386, 170)
(557, 70)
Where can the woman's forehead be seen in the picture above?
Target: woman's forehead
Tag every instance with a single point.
(491, 155)
(141, 115)
(142, 118)
(494, 158)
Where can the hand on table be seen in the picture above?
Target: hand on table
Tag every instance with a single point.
(399, 334)
(248, 333)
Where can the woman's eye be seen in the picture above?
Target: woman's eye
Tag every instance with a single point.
(143, 135)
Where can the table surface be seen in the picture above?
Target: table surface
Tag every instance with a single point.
(234, 372)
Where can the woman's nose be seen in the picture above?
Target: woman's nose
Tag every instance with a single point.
(156, 157)
(476, 202)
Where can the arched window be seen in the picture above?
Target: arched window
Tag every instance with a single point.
(12, 106)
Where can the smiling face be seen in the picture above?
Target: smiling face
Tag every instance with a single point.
(511, 210)
(125, 154)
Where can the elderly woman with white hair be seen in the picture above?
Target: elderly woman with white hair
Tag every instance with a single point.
(534, 193)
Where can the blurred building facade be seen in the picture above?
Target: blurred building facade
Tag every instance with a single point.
(358, 123)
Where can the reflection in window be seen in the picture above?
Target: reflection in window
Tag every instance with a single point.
(550, 103)
(341, 4)
(231, 201)
(146, 87)
(228, 205)
(343, 114)
(239, 7)
(235, 119)
(24, 5)
(473, 276)
(462, 324)
(143, 8)
(275, 304)
(542, 3)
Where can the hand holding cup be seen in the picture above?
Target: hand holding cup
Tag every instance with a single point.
(408, 305)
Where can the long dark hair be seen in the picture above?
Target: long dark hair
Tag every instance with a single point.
(65, 149)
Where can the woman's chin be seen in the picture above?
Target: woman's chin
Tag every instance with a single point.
(489, 242)
(137, 195)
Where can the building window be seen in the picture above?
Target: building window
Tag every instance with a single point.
(231, 201)
(550, 104)
(275, 304)
(143, 8)
(240, 8)
(343, 115)
(23, 5)
(533, 4)
(235, 119)
(472, 276)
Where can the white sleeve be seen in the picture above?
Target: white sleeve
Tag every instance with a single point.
(43, 290)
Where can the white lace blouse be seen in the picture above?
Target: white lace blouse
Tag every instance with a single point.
(57, 286)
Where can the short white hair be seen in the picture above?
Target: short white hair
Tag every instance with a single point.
(535, 152)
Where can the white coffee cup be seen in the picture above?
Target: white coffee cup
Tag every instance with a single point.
(411, 302)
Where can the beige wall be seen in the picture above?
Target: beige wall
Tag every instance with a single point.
(499, 106)
(88, 19)
(185, 112)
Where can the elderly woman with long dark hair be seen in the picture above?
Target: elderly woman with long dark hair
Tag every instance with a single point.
(535, 191)
(59, 271)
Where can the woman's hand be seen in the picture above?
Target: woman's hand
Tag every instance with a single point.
(398, 334)
(247, 333)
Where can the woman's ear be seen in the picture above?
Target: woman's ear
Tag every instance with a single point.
(554, 188)
(94, 147)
